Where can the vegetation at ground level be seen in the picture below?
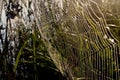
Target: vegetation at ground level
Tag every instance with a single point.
(59, 40)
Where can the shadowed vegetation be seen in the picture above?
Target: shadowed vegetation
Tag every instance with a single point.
(59, 40)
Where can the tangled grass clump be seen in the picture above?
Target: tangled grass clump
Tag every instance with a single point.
(75, 35)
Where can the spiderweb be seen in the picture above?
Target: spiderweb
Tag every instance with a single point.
(76, 35)
(85, 46)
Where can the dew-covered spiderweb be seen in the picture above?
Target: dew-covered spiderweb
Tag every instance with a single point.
(80, 41)
(75, 33)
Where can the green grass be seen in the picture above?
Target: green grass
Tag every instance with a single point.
(62, 43)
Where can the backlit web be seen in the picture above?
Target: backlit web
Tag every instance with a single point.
(76, 35)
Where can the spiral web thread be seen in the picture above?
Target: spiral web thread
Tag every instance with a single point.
(77, 37)
(87, 48)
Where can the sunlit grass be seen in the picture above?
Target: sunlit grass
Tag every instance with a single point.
(72, 39)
